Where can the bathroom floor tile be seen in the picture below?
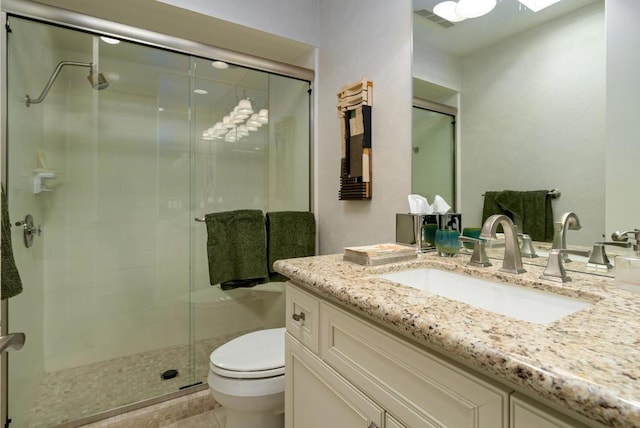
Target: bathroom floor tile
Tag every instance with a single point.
(76, 393)
(203, 420)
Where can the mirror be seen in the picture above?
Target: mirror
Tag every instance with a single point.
(433, 153)
(533, 93)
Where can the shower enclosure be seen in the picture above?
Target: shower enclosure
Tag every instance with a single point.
(433, 157)
(116, 288)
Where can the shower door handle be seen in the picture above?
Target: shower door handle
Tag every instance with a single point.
(12, 341)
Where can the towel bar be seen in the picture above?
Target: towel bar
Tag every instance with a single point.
(553, 193)
(199, 219)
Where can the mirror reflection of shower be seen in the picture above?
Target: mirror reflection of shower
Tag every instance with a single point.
(97, 80)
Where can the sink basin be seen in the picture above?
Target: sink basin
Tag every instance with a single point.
(513, 301)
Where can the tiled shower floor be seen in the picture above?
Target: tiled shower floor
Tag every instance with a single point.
(76, 393)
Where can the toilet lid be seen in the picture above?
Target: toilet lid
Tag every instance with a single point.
(254, 355)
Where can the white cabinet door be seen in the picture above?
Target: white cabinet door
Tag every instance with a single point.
(526, 413)
(420, 388)
(317, 397)
(302, 314)
(391, 422)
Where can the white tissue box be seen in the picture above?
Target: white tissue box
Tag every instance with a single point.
(627, 272)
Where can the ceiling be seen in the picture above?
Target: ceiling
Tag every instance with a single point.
(507, 19)
(166, 19)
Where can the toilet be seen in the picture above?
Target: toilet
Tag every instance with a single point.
(246, 376)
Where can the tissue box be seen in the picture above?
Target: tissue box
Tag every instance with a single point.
(628, 272)
(414, 228)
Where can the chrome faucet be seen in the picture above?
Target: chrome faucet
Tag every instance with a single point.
(479, 257)
(624, 237)
(526, 248)
(554, 270)
(512, 261)
(599, 257)
(568, 221)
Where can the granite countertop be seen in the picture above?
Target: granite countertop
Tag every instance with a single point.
(588, 362)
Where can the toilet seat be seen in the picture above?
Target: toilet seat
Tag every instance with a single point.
(255, 355)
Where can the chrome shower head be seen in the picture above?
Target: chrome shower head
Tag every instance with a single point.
(96, 79)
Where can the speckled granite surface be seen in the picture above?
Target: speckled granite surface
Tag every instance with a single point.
(588, 361)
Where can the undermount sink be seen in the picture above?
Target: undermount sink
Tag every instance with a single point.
(513, 301)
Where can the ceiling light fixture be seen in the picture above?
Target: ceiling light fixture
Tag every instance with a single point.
(447, 10)
(474, 8)
(537, 5)
(232, 128)
(109, 40)
(220, 65)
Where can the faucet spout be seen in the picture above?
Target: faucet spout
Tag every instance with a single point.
(568, 221)
(512, 261)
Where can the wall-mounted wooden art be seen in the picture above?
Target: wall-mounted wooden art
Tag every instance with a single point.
(354, 110)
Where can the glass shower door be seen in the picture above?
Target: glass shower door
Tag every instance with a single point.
(117, 304)
(106, 295)
(261, 163)
(433, 157)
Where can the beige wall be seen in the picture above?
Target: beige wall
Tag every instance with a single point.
(623, 108)
(355, 43)
(532, 116)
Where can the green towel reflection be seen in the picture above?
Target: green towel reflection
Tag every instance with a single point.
(11, 282)
(531, 209)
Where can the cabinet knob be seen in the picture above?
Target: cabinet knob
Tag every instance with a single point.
(373, 425)
(298, 317)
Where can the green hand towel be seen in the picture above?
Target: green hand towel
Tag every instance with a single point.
(531, 209)
(538, 220)
(490, 206)
(236, 246)
(290, 234)
(510, 201)
(11, 284)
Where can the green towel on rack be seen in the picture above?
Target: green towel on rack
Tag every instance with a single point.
(532, 210)
(11, 282)
(290, 234)
(538, 220)
(491, 207)
(510, 201)
(237, 248)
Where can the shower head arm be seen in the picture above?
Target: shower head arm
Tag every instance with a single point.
(52, 79)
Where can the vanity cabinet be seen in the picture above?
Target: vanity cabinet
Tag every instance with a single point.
(526, 413)
(344, 371)
(317, 397)
(361, 374)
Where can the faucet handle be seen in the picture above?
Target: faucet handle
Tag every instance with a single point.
(527, 249)
(624, 237)
(479, 257)
(555, 269)
(599, 257)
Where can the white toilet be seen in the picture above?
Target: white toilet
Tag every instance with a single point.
(246, 376)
